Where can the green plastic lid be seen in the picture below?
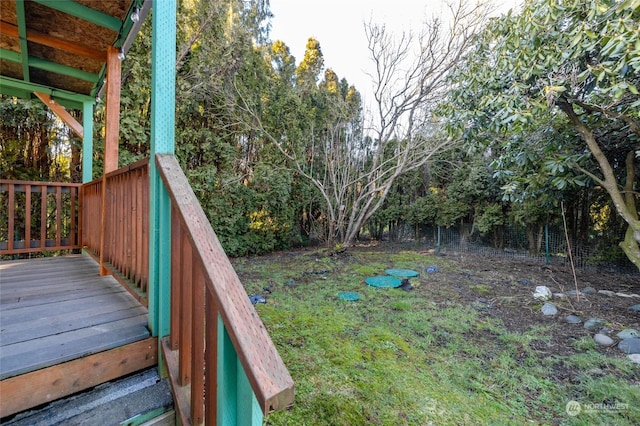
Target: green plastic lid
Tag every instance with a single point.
(349, 295)
(404, 273)
(383, 281)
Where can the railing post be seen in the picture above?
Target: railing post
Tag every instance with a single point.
(87, 142)
(163, 59)
(87, 163)
(12, 213)
(244, 376)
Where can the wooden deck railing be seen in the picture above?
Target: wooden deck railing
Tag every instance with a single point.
(121, 240)
(219, 353)
(38, 216)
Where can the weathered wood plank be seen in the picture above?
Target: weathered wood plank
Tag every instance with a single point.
(40, 327)
(38, 387)
(54, 311)
(45, 279)
(181, 394)
(75, 289)
(29, 285)
(57, 309)
(47, 265)
(39, 353)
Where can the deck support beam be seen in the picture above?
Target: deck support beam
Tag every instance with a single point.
(111, 138)
(112, 113)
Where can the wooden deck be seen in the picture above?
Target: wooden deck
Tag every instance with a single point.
(53, 310)
(65, 328)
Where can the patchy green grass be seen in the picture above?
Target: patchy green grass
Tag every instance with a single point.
(418, 358)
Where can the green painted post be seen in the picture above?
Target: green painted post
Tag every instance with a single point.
(163, 61)
(237, 404)
(87, 145)
(87, 142)
(249, 412)
(546, 242)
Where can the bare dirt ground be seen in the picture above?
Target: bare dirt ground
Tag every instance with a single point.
(506, 286)
(502, 288)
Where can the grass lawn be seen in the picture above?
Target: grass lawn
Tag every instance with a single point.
(452, 351)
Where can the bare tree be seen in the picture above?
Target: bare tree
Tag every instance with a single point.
(355, 170)
(409, 79)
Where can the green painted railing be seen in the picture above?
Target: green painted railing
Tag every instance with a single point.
(224, 368)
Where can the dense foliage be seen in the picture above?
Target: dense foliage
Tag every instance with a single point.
(537, 112)
(551, 95)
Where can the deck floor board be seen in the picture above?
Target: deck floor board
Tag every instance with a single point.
(54, 310)
(18, 299)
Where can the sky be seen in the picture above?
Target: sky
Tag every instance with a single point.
(339, 27)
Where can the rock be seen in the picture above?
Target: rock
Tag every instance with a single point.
(573, 319)
(634, 308)
(406, 286)
(628, 333)
(572, 293)
(637, 296)
(628, 296)
(542, 293)
(596, 372)
(634, 358)
(257, 298)
(525, 282)
(630, 346)
(603, 340)
(593, 323)
(607, 292)
(605, 330)
(549, 309)
(431, 269)
(588, 290)
(559, 295)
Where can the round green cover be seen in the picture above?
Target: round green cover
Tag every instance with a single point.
(383, 281)
(349, 295)
(404, 273)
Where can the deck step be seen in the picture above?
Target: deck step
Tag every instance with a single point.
(128, 401)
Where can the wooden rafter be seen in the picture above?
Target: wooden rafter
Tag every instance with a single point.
(61, 112)
(52, 41)
(83, 12)
(44, 64)
(22, 33)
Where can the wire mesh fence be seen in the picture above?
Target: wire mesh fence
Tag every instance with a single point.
(546, 244)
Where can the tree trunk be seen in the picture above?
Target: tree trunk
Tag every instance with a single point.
(540, 235)
(625, 205)
(531, 239)
(631, 243)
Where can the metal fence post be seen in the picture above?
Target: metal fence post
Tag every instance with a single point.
(546, 243)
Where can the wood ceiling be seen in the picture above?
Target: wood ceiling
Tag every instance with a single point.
(59, 47)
